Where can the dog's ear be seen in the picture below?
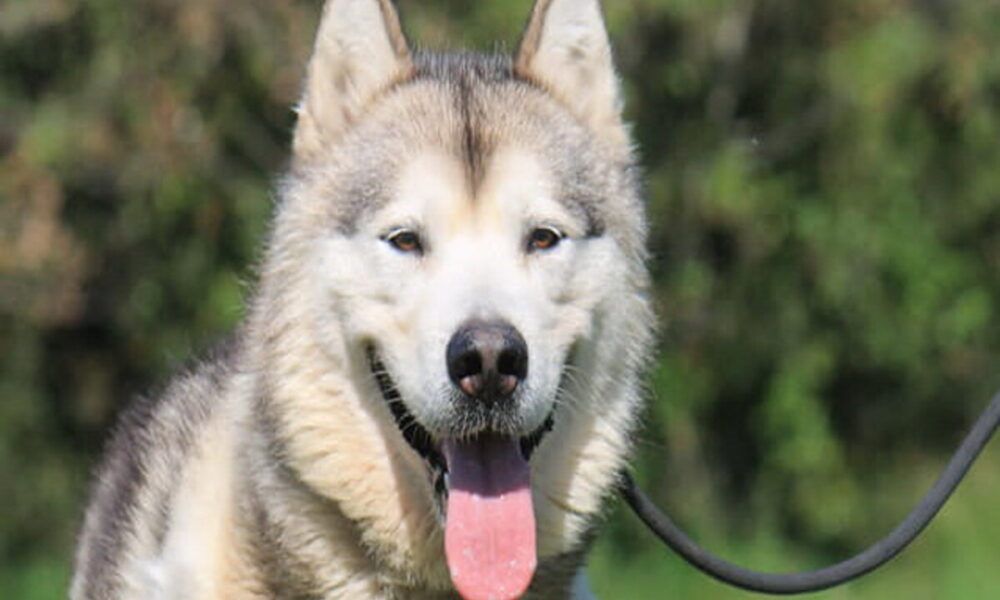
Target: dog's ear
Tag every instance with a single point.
(360, 50)
(565, 48)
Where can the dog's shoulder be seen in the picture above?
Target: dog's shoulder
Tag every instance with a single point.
(144, 458)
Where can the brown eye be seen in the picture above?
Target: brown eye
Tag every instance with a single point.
(405, 240)
(544, 238)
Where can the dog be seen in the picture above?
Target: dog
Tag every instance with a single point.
(439, 375)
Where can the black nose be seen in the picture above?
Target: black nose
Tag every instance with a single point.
(487, 359)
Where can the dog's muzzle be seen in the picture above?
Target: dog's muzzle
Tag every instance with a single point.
(509, 360)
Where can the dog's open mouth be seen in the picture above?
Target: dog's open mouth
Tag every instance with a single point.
(484, 496)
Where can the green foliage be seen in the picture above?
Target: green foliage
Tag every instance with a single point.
(824, 189)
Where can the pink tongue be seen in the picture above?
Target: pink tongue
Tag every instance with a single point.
(489, 536)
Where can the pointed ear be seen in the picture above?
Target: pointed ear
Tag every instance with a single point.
(360, 50)
(565, 48)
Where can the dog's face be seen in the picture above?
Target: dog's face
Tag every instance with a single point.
(451, 267)
(472, 244)
(447, 260)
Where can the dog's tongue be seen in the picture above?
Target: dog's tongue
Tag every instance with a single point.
(489, 536)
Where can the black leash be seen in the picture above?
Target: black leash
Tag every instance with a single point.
(810, 581)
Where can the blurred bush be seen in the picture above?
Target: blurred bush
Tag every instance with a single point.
(823, 182)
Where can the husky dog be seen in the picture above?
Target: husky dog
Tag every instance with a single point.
(438, 378)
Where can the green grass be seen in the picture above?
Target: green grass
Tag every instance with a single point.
(43, 578)
(957, 557)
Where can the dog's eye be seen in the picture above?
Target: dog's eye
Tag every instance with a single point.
(405, 240)
(544, 238)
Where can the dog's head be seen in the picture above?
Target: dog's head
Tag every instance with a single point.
(463, 233)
